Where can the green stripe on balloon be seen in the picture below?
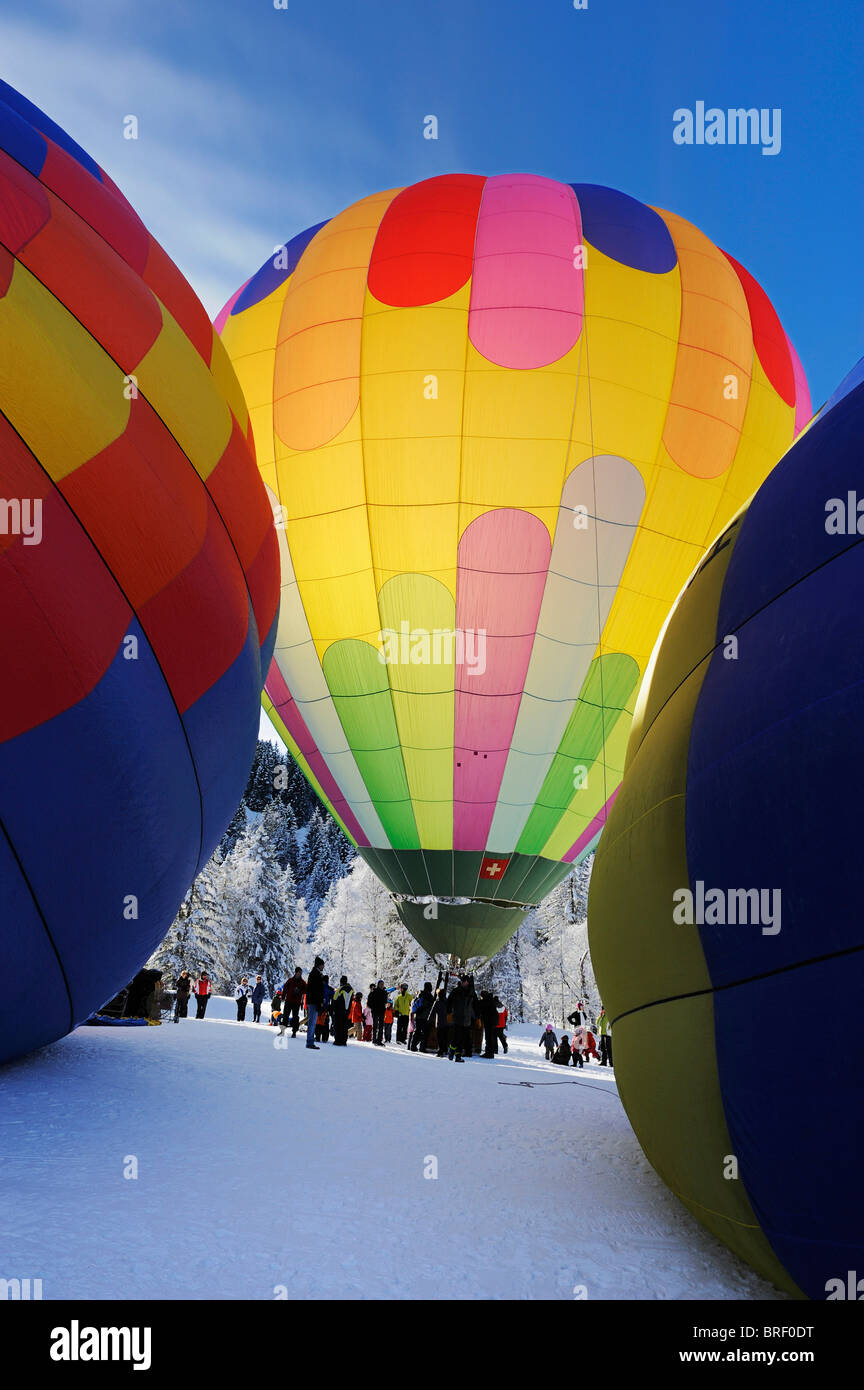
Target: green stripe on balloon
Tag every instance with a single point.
(609, 684)
(357, 680)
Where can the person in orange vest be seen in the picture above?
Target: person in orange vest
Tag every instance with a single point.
(388, 1021)
(502, 1023)
(355, 1016)
(203, 990)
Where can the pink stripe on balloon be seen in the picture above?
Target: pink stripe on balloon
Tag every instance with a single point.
(222, 317)
(286, 708)
(527, 294)
(593, 829)
(503, 562)
(803, 404)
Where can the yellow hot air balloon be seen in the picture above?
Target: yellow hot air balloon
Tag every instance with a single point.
(500, 420)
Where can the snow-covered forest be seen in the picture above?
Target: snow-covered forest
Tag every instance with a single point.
(285, 884)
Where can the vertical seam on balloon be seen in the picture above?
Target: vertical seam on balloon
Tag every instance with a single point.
(45, 926)
(583, 344)
(285, 290)
(367, 291)
(458, 539)
(568, 448)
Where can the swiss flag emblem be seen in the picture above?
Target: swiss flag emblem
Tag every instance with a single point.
(493, 867)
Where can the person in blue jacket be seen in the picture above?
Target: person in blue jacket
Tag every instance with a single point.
(258, 994)
(549, 1041)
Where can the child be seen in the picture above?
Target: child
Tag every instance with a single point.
(322, 1027)
(549, 1041)
(367, 1024)
(276, 1008)
(355, 1016)
(562, 1056)
(388, 1022)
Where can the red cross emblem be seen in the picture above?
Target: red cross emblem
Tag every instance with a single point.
(493, 867)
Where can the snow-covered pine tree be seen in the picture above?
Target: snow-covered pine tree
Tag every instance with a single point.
(264, 901)
(280, 826)
(359, 934)
(261, 787)
(236, 827)
(200, 937)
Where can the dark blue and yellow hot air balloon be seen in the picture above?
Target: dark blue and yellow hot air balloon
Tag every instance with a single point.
(725, 912)
(139, 584)
(506, 415)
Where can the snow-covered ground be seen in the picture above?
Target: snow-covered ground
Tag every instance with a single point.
(261, 1167)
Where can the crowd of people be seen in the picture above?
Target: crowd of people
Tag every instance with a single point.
(583, 1045)
(456, 1022)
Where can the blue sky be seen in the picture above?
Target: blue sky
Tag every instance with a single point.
(257, 122)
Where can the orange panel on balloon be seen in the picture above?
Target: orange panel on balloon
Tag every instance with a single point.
(316, 379)
(712, 369)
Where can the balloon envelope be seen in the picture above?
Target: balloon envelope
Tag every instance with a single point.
(500, 420)
(138, 584)
(725, 904)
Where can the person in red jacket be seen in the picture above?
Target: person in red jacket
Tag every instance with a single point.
(292, 994)
(203, 990)
(355, 1016)
(502, 1023)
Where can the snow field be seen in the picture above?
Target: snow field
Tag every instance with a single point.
(261, 1167)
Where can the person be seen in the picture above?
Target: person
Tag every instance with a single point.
(422, 1008)
(367, 1022)
(562, 1055)
(241, 994)
(502, 1024)
(341, 1006)
(257, 999)
(182, 988)
(577, 1015)
(438, 1016)
(314, 1001)
(549, 1041)
(153, 1003)
(377, 1001)
(276, 1009)
(402, 1010)
(355, 1016)
(475, 1023)
(293, 991)
(578, 1060)
(585, 1041)
(461, 1007)
(203, 990)
(604, 1028)
(388, 1022)
(489, 1016)
(322, 1027)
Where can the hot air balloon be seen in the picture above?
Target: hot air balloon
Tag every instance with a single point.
(139, 584)
(499, 419)
(725, 904)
